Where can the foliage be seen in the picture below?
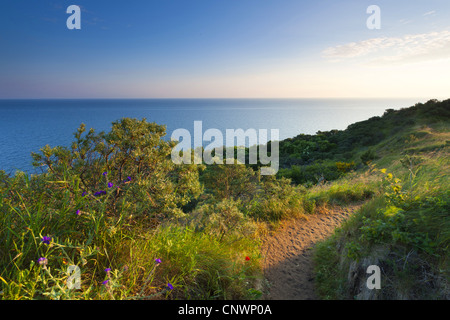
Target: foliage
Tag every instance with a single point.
(132, 151)
(345, 167)
(410, 221)
(315, 173)
(222, 218)
(140, 227)
(328, 147)
(368, 156)
(277, 199)
(226, 181)
(103, 202)
(406, 220)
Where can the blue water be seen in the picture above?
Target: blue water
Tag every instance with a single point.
(28, 125)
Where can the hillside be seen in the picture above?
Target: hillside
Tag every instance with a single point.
(309, 158)
(405, 227)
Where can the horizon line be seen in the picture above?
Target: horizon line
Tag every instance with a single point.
(219, 98)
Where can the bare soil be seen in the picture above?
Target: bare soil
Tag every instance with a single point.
(287, 253)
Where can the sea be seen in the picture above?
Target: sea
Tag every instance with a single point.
(28, 125)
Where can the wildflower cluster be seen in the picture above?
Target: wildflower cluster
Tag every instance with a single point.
(99, 193)
(110, 185)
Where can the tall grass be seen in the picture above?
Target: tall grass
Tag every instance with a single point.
(405, 228)
(199, 265)
(42, 236)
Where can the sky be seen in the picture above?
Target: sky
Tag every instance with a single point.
(225, 49)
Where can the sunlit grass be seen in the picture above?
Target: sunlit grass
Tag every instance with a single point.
(407, 220)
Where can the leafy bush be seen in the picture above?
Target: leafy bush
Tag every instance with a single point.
(405, 230)
(222, 218)
(318, 172)
(237, 182)
(276, 199)
(345, 167)
(417, 222)
(368, 156)
(133, 151)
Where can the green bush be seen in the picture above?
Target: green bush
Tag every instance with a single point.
(131, 163)
(236, 182)
(368, 156)
(318, 172)
(345, 167)
(221, 218)
(276, 199)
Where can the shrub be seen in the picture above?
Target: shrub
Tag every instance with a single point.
(236, 182)
(277, 199)
(318, 172)
(345, 167)
(132, 161)
(222, 218)
(368, 156)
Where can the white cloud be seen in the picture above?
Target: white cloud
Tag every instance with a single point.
(429, 13)
(397, 50)
(405, 21)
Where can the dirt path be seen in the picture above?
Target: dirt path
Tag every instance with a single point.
(288, 264)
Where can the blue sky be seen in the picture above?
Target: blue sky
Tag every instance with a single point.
(224, 49)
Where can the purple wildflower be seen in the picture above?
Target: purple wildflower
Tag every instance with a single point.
(99, 193)
(169, 286)
(46, 240)
(128, 179)
(43, 261)
(78, 212)
(158, 261)
(84, 193)
(105, 282)
(110, 184)
(107, 270)
(105, 173)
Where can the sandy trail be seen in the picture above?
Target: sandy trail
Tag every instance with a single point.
(288, 264)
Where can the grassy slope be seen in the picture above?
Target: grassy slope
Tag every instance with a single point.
(405, 227)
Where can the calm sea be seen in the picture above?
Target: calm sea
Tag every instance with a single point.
(28, 125)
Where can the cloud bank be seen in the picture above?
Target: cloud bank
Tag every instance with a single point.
(394, 50)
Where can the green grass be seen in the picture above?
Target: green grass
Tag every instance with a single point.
(408, 221)
(199, 265)
(342, 192)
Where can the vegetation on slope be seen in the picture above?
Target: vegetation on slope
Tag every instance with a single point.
(405, 228)
(140, 227)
